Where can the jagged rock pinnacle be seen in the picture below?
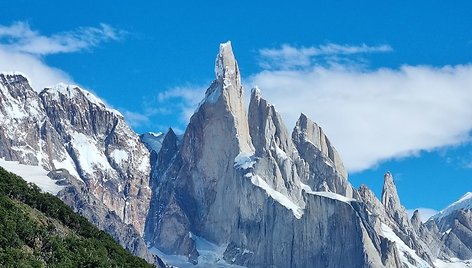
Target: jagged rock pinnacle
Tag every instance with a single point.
(226, 66)
(305, 129)
(255, 93)
(391, 201)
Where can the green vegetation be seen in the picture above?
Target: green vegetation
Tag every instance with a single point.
(39, 230)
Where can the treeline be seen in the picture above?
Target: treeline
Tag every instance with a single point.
(39, 230)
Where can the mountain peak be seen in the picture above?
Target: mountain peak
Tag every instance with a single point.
(465, 202)
(226, 66)
(389, 191)
(391, 201)
(255, 93)
(12, 78)
(308, 131)
(73, 92)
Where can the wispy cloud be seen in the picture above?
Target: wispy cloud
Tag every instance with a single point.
(289, 57)
(19, 37)
(135, 119)
(370, 115)
(177, 101)
(182, 99)
(376, 115)
(39, 74)
(23, 49)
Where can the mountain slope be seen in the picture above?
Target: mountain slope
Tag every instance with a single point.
(66, 128)
(236, 189)
(453, 226)
(38, 230)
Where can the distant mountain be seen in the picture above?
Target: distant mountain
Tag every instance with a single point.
(39, 230)
(67, 131)
(236, 189)
(454, 227)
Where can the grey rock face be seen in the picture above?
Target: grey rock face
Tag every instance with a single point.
(454, 227)
(326, 170)
(239, 180)
(77, 196)
(458, 237)
(390, 214)
(26, 134)
(276, 158)
(107, 154)
(67, 128)
(308, 131)
(391, 202)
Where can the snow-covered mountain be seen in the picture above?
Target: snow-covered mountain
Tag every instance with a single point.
(453, 226)
(464, 203)
(237, 189)
(66, 128)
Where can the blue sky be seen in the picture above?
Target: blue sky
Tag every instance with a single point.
(389, 82)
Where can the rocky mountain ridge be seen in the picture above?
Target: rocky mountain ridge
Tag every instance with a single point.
(240, 180)
(67, 128)
(236, 179)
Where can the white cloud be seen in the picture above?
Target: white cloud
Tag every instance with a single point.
(39, 74)
(22, 50)
(370, 115)
(136, 119)
(19, 37)
(180, 102)
(289, 57)
(375, 115)
(425, 213)
(183, 99)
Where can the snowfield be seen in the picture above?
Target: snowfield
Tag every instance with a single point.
(33, 174)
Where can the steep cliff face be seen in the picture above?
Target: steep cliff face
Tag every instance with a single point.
(27, 135)
(327, 172)
(236, 189)
(239, 181)
(67, 128)
(107, 154)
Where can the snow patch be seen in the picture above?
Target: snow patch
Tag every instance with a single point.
(11, 105)
(277, 196)
(67, 165)
(280, 153)
(465, 202)
(119, 156)
(72, 91)
(330, 195)
(244, 160)
(453, 263)
(403, 249)
(89, 156)
(144, 166)
(33, 174)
